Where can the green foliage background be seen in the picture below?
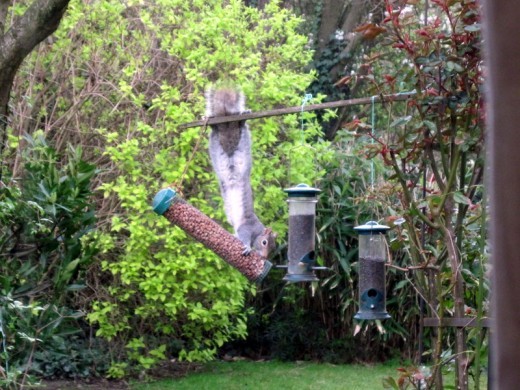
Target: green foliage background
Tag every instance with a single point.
(119, 78)
(45, 219)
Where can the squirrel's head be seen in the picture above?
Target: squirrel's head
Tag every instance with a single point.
(266, 242)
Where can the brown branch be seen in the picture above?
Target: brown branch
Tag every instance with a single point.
(459, 322)
(413, 267)
(4, 6)
(434, 167)
(410, 203)
(39, 21)
(297, 109)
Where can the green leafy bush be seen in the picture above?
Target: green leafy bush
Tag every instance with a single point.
(45, 218)
(130, 74)
(433, 149)
(428, 163)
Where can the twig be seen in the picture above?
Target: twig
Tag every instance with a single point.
(412, 267)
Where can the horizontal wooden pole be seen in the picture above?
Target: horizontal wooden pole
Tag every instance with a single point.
(457, 322)
(297, 109)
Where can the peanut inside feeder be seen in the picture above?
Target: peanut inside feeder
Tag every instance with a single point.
(210, 234)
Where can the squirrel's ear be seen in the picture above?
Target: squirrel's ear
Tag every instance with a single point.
(270, 231)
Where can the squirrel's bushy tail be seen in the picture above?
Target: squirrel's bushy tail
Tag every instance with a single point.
(224, 101)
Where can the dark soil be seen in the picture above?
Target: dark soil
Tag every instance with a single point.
(88, 384)
(166, 370)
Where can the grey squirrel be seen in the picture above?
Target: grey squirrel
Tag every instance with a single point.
(230, 153)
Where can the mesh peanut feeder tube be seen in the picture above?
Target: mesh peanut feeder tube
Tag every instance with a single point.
(209, 233)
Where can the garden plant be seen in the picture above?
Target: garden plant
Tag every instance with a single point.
(94, 283)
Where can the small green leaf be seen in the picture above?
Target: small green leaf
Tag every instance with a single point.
(473, 27)
(401, 121)
(430, 125)
(72, 266)
(459, 197)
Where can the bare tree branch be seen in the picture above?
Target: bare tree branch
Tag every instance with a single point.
(4, 6)
(39, 21)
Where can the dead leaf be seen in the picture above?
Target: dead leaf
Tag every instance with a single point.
(370, 30)
(343, 81)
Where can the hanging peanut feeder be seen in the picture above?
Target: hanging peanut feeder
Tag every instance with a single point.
(372, 258)
(301, 248)
(210, 234)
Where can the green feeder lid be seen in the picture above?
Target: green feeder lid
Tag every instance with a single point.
(163, 200)
(302, 190)
(371, 227)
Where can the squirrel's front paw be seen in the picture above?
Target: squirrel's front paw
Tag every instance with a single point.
(247, 250)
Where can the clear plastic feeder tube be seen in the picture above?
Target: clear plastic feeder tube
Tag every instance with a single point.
(372, 273)
(372, 246)
(302, 232)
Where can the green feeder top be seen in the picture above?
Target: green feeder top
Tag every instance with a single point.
(371, 227)
(302, 190)
(163, 200)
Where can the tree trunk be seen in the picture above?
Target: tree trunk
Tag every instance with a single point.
(39, 21)
(344, 16)
(331, 19)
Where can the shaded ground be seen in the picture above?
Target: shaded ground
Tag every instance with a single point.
(92, 384)
(165, 370)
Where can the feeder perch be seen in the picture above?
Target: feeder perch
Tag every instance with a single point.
(209, 233)
(372, 258)
(302, 215)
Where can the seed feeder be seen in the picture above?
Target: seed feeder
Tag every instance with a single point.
(302, 215)
(209, 233)
(372, 258)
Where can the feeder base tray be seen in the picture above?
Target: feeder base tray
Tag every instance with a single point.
(293, 278)
(372, 316)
